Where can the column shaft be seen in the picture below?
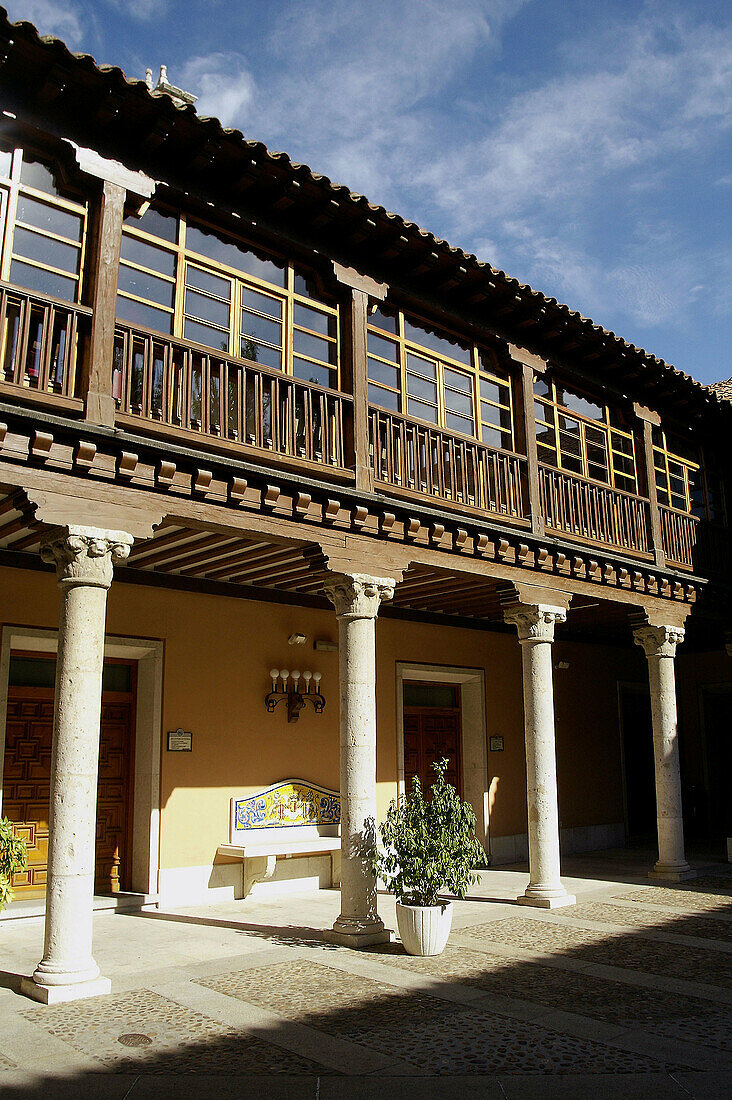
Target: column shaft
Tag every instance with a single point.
(83, 558)
(659, 644)
(356, 599)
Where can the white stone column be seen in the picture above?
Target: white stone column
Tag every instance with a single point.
(535, 624)
(659, 645)
(84, 558)
(357, 598)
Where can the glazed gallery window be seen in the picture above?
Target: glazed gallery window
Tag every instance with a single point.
(576, 433)
(433, 376)
(42, 230)
(184, 278)
(681, 481)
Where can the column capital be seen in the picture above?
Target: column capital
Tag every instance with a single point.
(658, 641)
(535, 622)
(85, 555)
(358, 595)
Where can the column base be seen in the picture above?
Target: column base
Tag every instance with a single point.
(547, 903)
(358, 932)
(56, 994)
(670, 872)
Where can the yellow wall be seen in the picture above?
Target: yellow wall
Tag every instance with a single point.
(217, 655)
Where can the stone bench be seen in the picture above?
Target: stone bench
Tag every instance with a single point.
(290, 818)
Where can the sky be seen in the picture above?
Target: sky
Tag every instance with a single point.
(585, 148)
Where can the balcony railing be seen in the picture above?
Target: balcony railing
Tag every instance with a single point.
(421, 460)
(592, 512)
(39, 338)
(693, 543)
(170, 384)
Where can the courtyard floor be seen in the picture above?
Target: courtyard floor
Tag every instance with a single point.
(626, 995)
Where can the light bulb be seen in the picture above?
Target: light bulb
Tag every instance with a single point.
(274, 673)
(316, 680)
(295, 677)
(307, 677)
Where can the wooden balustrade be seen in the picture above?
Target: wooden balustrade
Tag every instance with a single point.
(429, 461)
(693, 543)
(39, 345)
(168, 382)
(593, 512)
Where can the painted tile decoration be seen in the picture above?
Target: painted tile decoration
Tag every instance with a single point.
(292, 803)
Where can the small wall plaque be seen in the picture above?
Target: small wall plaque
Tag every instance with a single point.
(496, 744)
(180, 741)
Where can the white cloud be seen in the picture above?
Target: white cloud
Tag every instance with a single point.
(223, 84)
(144, 11)
(57, 17)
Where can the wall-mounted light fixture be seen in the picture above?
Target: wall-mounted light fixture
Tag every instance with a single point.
(295, 695)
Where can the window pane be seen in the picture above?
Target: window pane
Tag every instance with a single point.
(502, 418)
(44, 282)
(492, 391)
(305, 344)
(421, 366)
(622, 443)
(260, 353)
(419, 387)
(146, 286)
(207, 309)
(623, 465)
(596, 436)
(203, 334)
(147, 255)
(6, 159)
(571, 427)
(418, 408)
(261, 302)
(44, 216)
(596, 454)
(261, 328)
(34, 174)
(204, 280)
(34, 246)
(380, 372)
(598, 472)
(545, 435)
(459, 402)
(387, 349)
(569, 444)
(544, 412)
(495, 438)
(382, 320)
(456, 380)
(314, 319)
(312, 372)
(156, 224)
(431, 695)
(429, 338)
(216, 247)
(462, 424)
(137, 313)
(386, 398)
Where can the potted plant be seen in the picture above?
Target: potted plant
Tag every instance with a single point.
(429, 847)
(13, 859)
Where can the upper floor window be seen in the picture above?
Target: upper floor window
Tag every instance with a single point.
(576, 433)
(681, 481)
(182, 277)
(42, 231)
(425, 373)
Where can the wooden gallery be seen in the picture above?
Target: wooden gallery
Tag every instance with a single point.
(295, 499)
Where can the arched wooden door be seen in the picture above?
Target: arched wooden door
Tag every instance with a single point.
(27, 771)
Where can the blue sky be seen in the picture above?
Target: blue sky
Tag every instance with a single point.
(584, 148)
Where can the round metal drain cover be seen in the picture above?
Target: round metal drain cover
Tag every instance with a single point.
(134, 1039)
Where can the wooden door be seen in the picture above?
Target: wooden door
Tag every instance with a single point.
(26, 785)
(429, 735)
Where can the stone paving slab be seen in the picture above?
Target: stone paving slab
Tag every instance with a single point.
(688, 899)
(144, 1032)
(626, 951)
(689, 1019)
(437, 1036)
(693, 927)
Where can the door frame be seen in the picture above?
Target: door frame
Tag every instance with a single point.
(148, 654)
(474, 762)
(441, 711)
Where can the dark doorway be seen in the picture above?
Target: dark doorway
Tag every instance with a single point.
(717, 720)
(638, 769)
(432, 730)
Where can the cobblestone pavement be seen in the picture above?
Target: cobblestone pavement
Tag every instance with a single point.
(247, 999)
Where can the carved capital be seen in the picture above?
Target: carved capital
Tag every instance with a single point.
(357, 595)
(659, 641)
(535, 622)
(85, 555)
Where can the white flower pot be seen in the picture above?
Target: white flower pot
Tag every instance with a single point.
(423, 929)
